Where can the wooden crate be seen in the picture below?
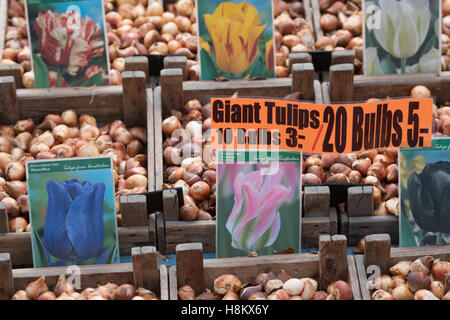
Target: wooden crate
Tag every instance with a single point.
(378, 252)
(331, 264)
(132, 103)
(142, 272)
(133, 232)
(173, 93)
(344, 86)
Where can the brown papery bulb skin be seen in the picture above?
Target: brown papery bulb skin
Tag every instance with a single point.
(36, 288)
(124, 292)
(20, 295)
(186, 293)
(227, 282)
(340, 290)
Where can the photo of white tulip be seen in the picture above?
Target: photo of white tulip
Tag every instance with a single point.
(402, 37)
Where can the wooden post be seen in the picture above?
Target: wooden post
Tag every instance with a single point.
(4, 224)
(6, 277)
(378, 251)
(343, 224)
(316, 18)
(170, 205)
(160, 232)
(171, 89)
(303, 80)
(316, 201)
(177, 62)
(137, 63)
(333, 221)
(164, 282)
(134, 210)
(150, 142)
(360, 201)
(134, 98)
(12, 70)
(173, 290)
(9, 110)
(342, 56)
(298, 57)
(190, 266)
(341, 82)
(145, 267)
(333, 259)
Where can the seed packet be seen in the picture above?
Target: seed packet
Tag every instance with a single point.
(72, 212)
(235, 39)
(401, 36)
(425, 195)
(258, 203)
(68, 43)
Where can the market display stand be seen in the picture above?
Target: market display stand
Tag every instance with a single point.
(174, 93)
(331, 264)
(132, 103)
(378, 252)
(344, 86)
(142, 272)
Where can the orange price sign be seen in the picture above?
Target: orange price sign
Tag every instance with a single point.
(247, 123)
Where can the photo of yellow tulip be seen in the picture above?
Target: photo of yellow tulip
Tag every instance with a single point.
(236, 39)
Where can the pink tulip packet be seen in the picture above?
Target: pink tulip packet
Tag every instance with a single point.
(68, 43)
(258, 203)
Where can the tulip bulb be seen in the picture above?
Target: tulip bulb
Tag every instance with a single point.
(20, 295)
(36, 288)
(382, 295)
(186, 293)
(18, 225)
(402, 292)
(424, 295)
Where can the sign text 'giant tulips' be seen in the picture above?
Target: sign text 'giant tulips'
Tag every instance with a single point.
(246, 123)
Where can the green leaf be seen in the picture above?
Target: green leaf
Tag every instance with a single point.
(388, 66)
(97, 79)
(207, 66)
(39, 255)
(407, 238)
(40, 73)
(430, 45)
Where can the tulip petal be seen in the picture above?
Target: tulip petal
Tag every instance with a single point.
(268, 210)
(270, 236)
(74, 188)
(85, 222)
(236, 215)
(421, 204)
(56, 239)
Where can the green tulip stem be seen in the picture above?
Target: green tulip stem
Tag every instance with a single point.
(439, 239)
(403, 65)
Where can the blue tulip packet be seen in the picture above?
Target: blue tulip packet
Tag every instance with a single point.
(425, 195)
(72, 212)
(258, 203)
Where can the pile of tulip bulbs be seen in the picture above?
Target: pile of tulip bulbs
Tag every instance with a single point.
(267, 286)
(68, 136)
(63, 290)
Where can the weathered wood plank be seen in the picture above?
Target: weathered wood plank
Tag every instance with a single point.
(173, 289)
(177, 62)
(378, 251)
(4, 224)
(103, 103)
(359, 227)
(134, 210)
(178, 232)
(353, 278)
(145, 267)
(158, 159)
(137, 63)
(341, 80)
(150, 142)
(316, 19)
(333, 259)
(18, 245)
(9, 112)
(134, 98)
(11, 70)
(190, 266)
(303, 80)
(171, 90)
(6, 283)
(170, 205)
(316, 201)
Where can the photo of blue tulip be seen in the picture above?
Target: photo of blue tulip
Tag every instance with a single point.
(72, 212)
(74, 224)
